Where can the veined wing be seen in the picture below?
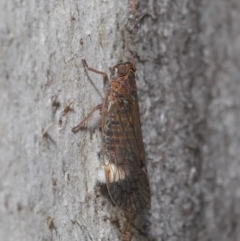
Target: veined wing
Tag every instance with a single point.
(124, 155)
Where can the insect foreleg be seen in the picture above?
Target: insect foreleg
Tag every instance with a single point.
(81, 124)
(104, 75)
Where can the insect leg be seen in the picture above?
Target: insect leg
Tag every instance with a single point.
(81, 124)
(105, 77)
(126, 236)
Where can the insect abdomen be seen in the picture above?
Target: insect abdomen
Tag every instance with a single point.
(118, 136)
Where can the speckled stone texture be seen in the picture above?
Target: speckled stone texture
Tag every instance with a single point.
(187, 59)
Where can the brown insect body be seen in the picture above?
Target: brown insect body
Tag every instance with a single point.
(122, 145)
(123, 149)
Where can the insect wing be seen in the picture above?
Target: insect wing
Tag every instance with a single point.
(123, 152)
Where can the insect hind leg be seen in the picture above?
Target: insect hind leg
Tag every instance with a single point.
(82, 123)
(126, 236)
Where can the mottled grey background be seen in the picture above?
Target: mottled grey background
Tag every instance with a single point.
(188, 69)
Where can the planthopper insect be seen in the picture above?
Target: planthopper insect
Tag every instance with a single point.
(122, 144)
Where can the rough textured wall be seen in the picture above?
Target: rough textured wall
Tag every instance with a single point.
(186, 53)
(42, 44)
(221, 164)
(188, 60)
(171, 69)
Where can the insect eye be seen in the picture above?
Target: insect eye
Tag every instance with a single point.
(122, 69)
